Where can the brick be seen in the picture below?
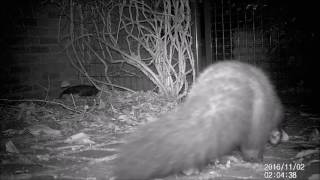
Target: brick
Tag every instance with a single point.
(9, 79)
(53, 15)
(60, 66)
(50, 75)
(31, 41)
(18, 29)
(37, 31)
(53, 12)
(28, 22)
(57, 57)
(19, 69)
(38, 93)
(39, 49)
(48, 40)
(70, 73)
(55, 84)
(26, 58)
(21, 88)
(21, 41)
(53, 32)
(18, 49)
(30, 93)
(14, 40)
(46, 22)
(55, 48)
(36, 69)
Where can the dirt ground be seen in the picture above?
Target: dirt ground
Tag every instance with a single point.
(77, 138)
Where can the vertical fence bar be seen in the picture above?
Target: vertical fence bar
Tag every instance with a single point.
(230, 28)
(254, 34)
(222, 28)
(215, 32)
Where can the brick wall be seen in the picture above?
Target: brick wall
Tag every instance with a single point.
(32, 61)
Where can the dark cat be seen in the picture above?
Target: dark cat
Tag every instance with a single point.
(80, 90)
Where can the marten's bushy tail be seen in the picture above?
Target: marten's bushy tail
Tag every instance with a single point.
(232, 105)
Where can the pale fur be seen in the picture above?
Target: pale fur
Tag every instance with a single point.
(232, 105)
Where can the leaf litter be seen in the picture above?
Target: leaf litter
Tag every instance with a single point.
(40, 139)
(48, 139)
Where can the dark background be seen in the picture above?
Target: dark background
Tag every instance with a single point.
(298, 55)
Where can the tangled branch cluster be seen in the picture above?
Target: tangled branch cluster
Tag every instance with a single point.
(154, 37)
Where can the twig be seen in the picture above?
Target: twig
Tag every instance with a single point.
(73, 101)
(39, 100)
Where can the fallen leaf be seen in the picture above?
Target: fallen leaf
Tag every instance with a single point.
(40, 129)
(10, 147)
(80, 138)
